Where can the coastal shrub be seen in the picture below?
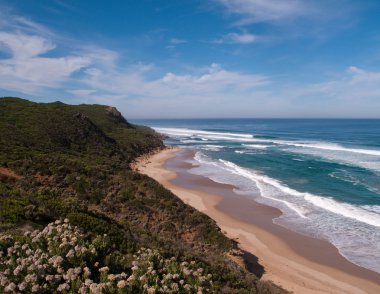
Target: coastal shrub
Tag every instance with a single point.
(13, 210)
(61, 259)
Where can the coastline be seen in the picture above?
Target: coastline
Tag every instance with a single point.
(297, 263)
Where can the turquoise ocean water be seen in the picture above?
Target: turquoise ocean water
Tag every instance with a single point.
(324, 175)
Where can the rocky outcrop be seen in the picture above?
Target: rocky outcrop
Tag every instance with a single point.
(115, 114)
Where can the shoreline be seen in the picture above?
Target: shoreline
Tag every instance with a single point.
(293, 261)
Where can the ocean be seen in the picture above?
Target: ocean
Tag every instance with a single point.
(324, 175)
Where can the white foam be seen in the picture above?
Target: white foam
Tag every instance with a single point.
(211, 147)
(344, 209)
(179, 132)
(189, 132)
(364, 158)
(226, 137)
(246, 152)
(345, 175)
(373, 208)
(332, 147)
(298, 159)
(201, 158)
(259, 179)
(256, 146)
(306, 213)
(192, 141)
(368, 162)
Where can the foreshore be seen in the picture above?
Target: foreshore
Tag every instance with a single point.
(296, 262)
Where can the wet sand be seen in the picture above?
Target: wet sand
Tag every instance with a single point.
(296, 262)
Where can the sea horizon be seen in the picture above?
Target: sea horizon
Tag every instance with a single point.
(144, 120)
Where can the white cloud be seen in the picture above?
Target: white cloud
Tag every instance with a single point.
(99, 55)
(27, 71)
(26, 25)
(194, 92)
(253, 11)
(293, 18)
(213, 79)
(16, 23)
(355, 84)
(82, 92)
(355, 93)
(217, 92)
(25, 46)
(176, 41)
(235, 38)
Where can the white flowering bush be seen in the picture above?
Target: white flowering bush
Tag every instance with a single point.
(59, 259)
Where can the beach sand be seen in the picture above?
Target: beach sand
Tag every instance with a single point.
(296, 262)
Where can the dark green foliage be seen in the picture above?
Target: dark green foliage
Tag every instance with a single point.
(73, 161)
(13, 210)
(92, 129)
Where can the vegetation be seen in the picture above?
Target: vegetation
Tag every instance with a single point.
(60, 161)
(61, 257)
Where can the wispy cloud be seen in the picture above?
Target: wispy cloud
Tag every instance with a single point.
(33, 65)
(355, 85)
(27, 71)
(236, 38)
(176, 41)
(292, 18)
(137, 95)
(11, 22)
(25, 46)
(82, 92)
(252, 11)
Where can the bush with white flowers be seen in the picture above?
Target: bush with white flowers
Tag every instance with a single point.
(59, 259)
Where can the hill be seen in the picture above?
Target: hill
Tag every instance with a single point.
(65, 178)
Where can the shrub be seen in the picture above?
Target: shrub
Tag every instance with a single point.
(61, 259)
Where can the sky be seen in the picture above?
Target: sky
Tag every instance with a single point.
(196, 58)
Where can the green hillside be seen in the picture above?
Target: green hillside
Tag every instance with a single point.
(123, 232)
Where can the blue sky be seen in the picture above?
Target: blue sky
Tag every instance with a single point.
(209, 58)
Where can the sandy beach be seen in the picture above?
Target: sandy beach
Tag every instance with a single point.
(296, 262)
